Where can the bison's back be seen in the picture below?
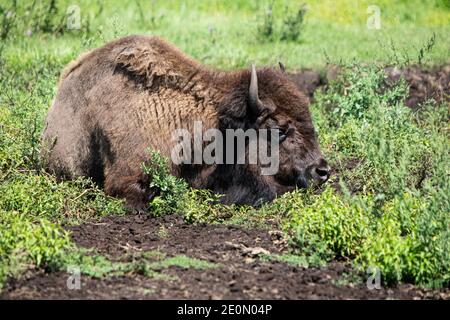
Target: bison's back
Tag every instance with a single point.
(115, 102)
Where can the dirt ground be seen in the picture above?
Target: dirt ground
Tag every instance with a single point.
(424, 84)
(240, 275)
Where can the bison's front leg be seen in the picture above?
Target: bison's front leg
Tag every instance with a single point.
(134, 189)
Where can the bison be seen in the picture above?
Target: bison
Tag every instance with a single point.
(116, 101)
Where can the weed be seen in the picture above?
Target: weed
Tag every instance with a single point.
(41, 196)
(292, 24)
(182, 261)
(288, 28)
(348, 279)
(163, 232)
(93, 264)
(426, 49)
(296, 260)
(265, 29)
(24, 244)
(147, 263)
(169, 189)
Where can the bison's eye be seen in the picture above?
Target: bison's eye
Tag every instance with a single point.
(282, 134)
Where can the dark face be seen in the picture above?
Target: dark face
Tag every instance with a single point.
(301, 163)
(272, 102)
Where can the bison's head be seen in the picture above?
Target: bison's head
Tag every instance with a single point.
(267, 99)
(277, 104)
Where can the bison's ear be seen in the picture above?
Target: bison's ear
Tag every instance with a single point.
(255, 104)
(282, 67)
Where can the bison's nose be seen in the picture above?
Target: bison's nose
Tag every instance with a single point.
(320, 172)
(315, 174)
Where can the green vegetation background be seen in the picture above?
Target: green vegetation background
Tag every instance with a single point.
(392, 210)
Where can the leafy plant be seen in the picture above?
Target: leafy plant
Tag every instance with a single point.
(273, 28)
(265, 28)
(397, 217)
(328, 227)
(170, 191)
(41, 196)
(426, 49)
(8, 17)
(292, 24)
(359, 90)
(24, 244)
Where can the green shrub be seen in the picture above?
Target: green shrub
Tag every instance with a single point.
(170, 191)
(410, 243)
(25, 244)
(407, 238)
(393, 213)
(202, 206)
(265, 28)
(278, 25)
(358, 90)
(173, 195)
(292, 23)
(363, 118)
(41, 196)
(328, 226)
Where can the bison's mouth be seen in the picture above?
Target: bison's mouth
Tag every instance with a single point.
(311, 177)
(287, 183)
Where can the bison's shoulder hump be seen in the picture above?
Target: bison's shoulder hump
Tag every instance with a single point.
(143, 57)
(152, 57)
(75, 64)
(144, 61)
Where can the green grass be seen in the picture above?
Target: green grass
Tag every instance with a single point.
(393, 207)
(182, 261)
(225, 33)
(293, 259)
(149, 263)
(24, 244)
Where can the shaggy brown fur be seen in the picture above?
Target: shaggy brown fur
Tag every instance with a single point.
(115, 102)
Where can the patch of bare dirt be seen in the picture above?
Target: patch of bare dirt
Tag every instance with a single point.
(308, 80)
(424, 83)
(241, 274)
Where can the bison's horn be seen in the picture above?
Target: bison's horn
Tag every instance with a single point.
(282, 67)
(255, 104)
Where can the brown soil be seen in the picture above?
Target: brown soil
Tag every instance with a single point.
(424, 84)
(241, 274)
(308, 80)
